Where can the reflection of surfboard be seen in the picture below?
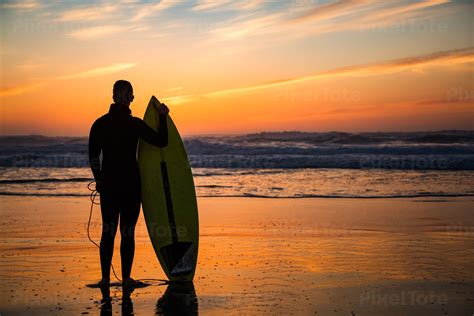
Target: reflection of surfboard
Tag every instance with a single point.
(169, 201)
(179, 299)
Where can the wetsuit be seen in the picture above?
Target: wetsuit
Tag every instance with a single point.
(116, 135)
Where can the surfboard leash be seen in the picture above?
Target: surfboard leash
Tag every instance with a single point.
(92, 197)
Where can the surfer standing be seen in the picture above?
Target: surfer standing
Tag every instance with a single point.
(116, 136)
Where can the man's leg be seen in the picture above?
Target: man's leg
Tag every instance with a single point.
(110, 216)
(128, 220)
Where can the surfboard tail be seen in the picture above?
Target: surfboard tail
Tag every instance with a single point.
(179, 258)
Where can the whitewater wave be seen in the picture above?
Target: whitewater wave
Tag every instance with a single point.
(443, 150)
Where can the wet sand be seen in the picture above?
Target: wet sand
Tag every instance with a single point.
(268, 256)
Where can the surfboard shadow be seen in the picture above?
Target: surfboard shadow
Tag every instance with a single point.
(179, 299)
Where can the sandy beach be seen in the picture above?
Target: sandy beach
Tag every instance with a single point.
(329, 146)
(256, 255)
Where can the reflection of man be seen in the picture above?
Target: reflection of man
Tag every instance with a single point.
(106, 302)
(116, 135)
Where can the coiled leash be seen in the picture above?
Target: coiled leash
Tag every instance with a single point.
(92, 197)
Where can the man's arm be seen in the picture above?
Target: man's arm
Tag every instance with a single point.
(94, 152)
(159, 138)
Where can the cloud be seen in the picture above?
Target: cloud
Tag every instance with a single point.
(248, 4)
(329, 10)
(444, 58)
(390, 12)
(95, 72)
(213, 5)
(338, 111)
(203, 5)
(98, 71)
(87, 13)
(173, 89)
(226, 5)
(363, 10)
(392, 19)
(287, 22)
(334, 16)
(21, 5)
(138, 10)
(20, 89)
(259, 25)
(97, 31)
(449, 99)
(151, 8)
(176, 100)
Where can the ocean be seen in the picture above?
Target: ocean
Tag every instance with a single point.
(269, 164)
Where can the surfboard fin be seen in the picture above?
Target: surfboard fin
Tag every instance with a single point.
(179, 257)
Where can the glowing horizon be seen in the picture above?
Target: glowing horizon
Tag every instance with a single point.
(227, 67)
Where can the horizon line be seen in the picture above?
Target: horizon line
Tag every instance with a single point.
(262, 132)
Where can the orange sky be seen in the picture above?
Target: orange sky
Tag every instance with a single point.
(240, 66)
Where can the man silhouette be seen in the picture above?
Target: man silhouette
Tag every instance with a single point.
(115, 135)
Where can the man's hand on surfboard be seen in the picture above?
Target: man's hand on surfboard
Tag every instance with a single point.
(162, 109)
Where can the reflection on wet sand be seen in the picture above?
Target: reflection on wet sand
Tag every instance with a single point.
(178, 299)
(127, 304)
(106, 302)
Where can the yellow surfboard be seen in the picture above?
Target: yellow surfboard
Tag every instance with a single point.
(169, 200)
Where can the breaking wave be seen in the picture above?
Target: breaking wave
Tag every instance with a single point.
(443, 150)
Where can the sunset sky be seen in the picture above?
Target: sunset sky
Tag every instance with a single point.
(239, 66)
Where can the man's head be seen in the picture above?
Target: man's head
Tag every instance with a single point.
(123, 92)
